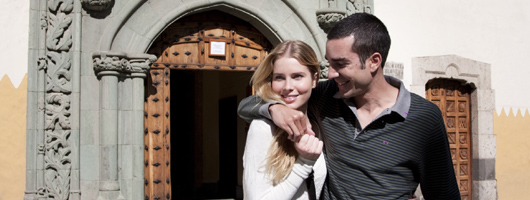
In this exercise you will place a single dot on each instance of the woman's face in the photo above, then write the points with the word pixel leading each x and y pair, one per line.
pixel 293 82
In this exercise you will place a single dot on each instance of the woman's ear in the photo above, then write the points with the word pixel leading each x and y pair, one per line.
pixel 315 79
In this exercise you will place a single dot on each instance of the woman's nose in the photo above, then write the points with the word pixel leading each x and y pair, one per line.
pixel 289 85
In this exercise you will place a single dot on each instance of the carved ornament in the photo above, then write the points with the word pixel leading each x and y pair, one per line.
pixel 326 20
pixel 121 62
pixel 96 5
pixel 324 67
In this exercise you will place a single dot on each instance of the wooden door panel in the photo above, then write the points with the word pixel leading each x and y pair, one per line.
pixel 157 137
pixel 217 30
pixel 453 99
pixel 247 56
pixel 184 53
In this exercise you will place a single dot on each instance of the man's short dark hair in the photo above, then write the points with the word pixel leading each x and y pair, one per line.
pixel 369 32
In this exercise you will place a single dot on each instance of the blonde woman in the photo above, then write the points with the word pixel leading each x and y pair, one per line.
pixel 276 168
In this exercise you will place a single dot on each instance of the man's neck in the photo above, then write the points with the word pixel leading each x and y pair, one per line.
pixel 379 96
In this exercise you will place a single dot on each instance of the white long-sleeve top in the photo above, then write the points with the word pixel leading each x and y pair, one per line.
pixel 257 184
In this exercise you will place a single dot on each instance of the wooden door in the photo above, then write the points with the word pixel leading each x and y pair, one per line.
pixel 453 99
pixel 206 41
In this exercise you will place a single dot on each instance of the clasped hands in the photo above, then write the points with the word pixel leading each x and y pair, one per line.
pixel 297 125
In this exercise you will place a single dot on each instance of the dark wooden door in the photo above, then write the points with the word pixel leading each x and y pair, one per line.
pixel 206 41
pixel 453 99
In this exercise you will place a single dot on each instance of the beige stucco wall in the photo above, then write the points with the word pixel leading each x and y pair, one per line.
pixel 13 142
pixel 513 157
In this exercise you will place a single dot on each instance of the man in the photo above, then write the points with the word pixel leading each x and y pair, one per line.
pixel 380 140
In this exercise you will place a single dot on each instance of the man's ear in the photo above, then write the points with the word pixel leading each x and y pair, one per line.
pixel 375 61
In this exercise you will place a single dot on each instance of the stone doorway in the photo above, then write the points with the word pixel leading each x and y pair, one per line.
pixel 481 100
pixel 193 137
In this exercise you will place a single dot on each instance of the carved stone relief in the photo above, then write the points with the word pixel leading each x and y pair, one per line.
pixel 394 69
pixel 96 5
pixel 122 63
pixel 358 6
pixel 330 14
pixel 328 20
pixel 324 69
pixel 57 65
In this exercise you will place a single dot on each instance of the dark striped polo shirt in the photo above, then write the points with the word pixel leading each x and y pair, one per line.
pixel 404 146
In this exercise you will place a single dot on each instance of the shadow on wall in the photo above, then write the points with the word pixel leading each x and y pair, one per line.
pixel 13 143
pixel 513 160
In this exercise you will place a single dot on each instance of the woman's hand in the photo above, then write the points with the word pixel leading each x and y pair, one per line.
pixel 309 147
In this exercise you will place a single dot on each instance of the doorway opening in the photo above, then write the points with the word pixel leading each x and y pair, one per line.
pixel 207 136
pixel 194 140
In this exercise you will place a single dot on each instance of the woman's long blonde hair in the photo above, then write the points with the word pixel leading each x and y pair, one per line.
pixel 282 153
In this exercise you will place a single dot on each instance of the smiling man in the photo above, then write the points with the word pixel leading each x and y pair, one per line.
pixel 381 141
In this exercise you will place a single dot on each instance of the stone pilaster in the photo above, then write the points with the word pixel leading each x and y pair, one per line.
pixel 112 70
pixel 53 139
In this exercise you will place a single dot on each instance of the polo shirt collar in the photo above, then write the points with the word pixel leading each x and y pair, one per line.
pixel 402 105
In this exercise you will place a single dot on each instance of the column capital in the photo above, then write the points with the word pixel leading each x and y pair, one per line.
pixel 115 63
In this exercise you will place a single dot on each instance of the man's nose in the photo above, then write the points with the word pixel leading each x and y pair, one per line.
pixel 332 73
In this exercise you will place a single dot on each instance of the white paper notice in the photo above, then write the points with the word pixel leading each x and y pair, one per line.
pixel 217 48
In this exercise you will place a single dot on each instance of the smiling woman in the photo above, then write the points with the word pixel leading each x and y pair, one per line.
pixel 287 75
pixel 293 82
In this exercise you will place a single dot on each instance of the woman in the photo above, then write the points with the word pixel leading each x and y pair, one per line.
pixel 275 167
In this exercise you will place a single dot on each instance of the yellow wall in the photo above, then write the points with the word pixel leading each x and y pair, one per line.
pixel 513 154
pixel 13 139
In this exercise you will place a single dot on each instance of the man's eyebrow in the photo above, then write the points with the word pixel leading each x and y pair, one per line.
pixel 337 59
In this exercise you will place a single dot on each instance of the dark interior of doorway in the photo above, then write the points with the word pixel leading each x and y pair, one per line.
pixel 187 139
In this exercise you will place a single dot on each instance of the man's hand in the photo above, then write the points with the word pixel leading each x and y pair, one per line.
pixel 309 147
pixel 294 122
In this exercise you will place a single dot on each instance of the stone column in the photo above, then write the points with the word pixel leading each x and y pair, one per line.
pixel 108 67
pixel 121 147
pixel 133 147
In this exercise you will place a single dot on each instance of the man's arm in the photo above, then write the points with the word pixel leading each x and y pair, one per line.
pixel 437 176
pixel 292 121
pixel 248 108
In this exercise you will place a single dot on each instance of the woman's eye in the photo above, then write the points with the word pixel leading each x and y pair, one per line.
pixel 298 76
pixel 278 78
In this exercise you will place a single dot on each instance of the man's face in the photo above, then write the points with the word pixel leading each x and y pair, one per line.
pixel 346 69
